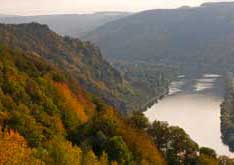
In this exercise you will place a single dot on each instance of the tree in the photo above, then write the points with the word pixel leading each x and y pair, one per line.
pixel 174 143
pixel 208 151
pixel 99 142
pixel 104 159
pixel 206 160
pixel 224 160
pixel 62 152
pixel 89 158
pixel 160 132
pixel 118 150
pixel 105 124
pixel 14 149
pixel 139 120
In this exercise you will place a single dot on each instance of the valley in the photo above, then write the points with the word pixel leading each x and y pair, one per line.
pixel 194 105
pixel 154 87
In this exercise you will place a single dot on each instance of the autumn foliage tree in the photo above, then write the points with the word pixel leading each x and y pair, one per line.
pixel 14 149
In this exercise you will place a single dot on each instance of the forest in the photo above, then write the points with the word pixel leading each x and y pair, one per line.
pixel 227 113
pixel 55 121
pixel 61 102
pixel 47 118
pixel 84 62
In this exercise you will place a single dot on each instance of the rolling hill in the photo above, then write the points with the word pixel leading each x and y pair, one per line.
pixel 46 117
pixel 48 114
pixel 77 25
pixel 85 63
pixel 43 109
pixel 196 38
pixel 81 59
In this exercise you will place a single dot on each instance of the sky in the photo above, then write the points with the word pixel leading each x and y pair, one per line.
pixel 42 7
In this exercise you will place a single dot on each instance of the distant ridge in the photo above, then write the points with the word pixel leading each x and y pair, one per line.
pixel 193 37
pixel 6 15
pixel 217 4
pixel 185 7
pixel 77 25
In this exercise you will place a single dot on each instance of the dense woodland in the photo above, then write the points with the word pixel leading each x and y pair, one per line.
pixel 47 118
pixel 227 113
pixel 56 122
pixel 80 59
pixel 62 103
pixel 150 80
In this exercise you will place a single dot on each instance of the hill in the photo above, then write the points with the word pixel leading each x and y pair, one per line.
pixel 77 25
pixel 196 38
pixel 42 110
pixel 80 59
pixel 85 63
pixel 48 117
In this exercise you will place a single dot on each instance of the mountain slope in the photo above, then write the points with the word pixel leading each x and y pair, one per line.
pixel 77 25
pixel 47 117
pixel 81 59
pixel 42 108
pixel 193 37
pixel 85 63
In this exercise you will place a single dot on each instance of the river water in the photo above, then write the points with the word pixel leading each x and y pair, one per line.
pixel 193 104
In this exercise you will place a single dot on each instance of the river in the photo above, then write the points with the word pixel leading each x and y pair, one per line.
pixel 193 104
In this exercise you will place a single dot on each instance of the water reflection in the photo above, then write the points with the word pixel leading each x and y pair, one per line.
pixel 206 82
pixel 194 105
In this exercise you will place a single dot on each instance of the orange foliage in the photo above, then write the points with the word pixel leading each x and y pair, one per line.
pixel 137 141
pixel 142 145
pixel 77 103
pixel 59 124
pixel 14 149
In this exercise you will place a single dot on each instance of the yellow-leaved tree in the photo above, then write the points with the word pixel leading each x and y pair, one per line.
pixel 14 149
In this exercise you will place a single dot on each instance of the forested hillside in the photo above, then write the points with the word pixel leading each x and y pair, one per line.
pixel 46 117
pixel 196 38
pixel 151 81
pixel 80 59
pixel 227 113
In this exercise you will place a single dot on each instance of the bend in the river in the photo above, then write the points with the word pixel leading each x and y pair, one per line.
pixel 194 105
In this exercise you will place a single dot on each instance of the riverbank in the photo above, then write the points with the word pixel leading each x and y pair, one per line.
pixel 195 107
pixel 154 100
pixel 227 116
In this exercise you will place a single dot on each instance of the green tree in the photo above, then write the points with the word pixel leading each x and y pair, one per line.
pixel 208 151
pixel 139 120
pixel 118 150
pixel 62 152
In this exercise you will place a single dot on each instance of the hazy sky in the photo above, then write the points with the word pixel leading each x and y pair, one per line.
pixel 39 7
